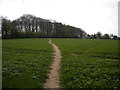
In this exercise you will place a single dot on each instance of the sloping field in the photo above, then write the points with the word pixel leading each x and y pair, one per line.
pixel 89 63
pixel 25 62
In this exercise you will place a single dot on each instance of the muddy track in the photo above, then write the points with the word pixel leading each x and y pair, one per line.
pixel 53 77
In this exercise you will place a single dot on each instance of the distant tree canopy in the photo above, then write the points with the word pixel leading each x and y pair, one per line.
pixel 8 29
pixel 29 26
pixel 99 35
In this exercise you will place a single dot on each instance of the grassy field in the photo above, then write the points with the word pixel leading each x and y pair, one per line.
pixel 86 63
pixel 89 63
pixel 25 62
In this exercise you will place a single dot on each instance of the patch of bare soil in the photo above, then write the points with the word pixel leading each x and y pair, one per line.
pixel 53 80
pixel 75 54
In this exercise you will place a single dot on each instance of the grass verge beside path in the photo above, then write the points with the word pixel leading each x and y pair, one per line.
pixel 25 62
pixel 89 63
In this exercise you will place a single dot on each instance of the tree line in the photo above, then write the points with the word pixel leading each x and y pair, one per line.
pixel 99 35
pixel 29 26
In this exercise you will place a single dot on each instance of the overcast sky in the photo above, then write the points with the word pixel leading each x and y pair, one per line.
pixel 90 15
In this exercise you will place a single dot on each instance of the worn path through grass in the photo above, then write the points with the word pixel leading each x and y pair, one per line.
pixel 53 80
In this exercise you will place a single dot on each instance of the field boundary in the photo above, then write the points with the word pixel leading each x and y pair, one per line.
pixel 53 76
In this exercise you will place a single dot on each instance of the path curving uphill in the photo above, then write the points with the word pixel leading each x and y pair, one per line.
pixel 53 78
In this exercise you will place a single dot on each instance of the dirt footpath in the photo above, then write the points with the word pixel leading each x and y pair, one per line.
pixel 53 80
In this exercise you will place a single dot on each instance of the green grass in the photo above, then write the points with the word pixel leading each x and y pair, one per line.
pixel 25 62
pixel 89 63
pixel 86 63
